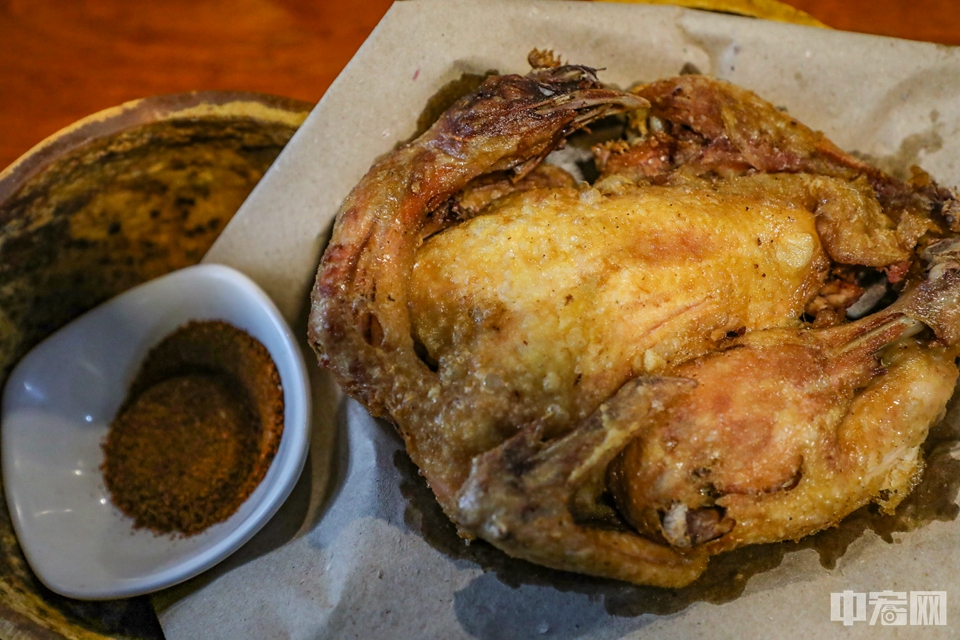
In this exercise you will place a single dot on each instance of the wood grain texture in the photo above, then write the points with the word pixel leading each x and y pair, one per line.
pixel 929 20
pixel 65 59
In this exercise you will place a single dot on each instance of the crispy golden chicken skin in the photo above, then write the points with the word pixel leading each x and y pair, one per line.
pixel 548 302
pixel 671 339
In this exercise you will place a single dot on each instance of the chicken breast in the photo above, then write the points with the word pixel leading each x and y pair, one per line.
pixel 553 298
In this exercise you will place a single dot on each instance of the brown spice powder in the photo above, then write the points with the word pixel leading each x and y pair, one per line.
pixel 198 430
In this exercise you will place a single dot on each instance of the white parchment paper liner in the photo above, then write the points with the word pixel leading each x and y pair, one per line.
pixel 356 551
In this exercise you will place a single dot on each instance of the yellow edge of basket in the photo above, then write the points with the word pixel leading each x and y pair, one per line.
pixel 766 9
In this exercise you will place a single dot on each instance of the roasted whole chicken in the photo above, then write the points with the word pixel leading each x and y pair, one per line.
pixel 625 376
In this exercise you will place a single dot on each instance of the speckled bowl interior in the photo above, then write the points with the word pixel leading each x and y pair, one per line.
pixel 115 200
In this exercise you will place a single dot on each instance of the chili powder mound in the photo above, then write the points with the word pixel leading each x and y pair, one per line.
pixel 198 430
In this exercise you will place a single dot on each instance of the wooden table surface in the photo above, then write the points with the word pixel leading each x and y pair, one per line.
pixel 61 60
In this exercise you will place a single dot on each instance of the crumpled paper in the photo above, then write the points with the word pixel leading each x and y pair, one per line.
pixel 361 549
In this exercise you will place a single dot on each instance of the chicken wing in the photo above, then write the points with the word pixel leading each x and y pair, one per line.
pixel 786 433
pixel 360 321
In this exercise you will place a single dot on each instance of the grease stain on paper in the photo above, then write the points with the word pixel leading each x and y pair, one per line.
pixel 728 573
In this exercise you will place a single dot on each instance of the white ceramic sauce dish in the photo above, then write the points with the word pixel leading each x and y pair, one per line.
pixel 57 408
